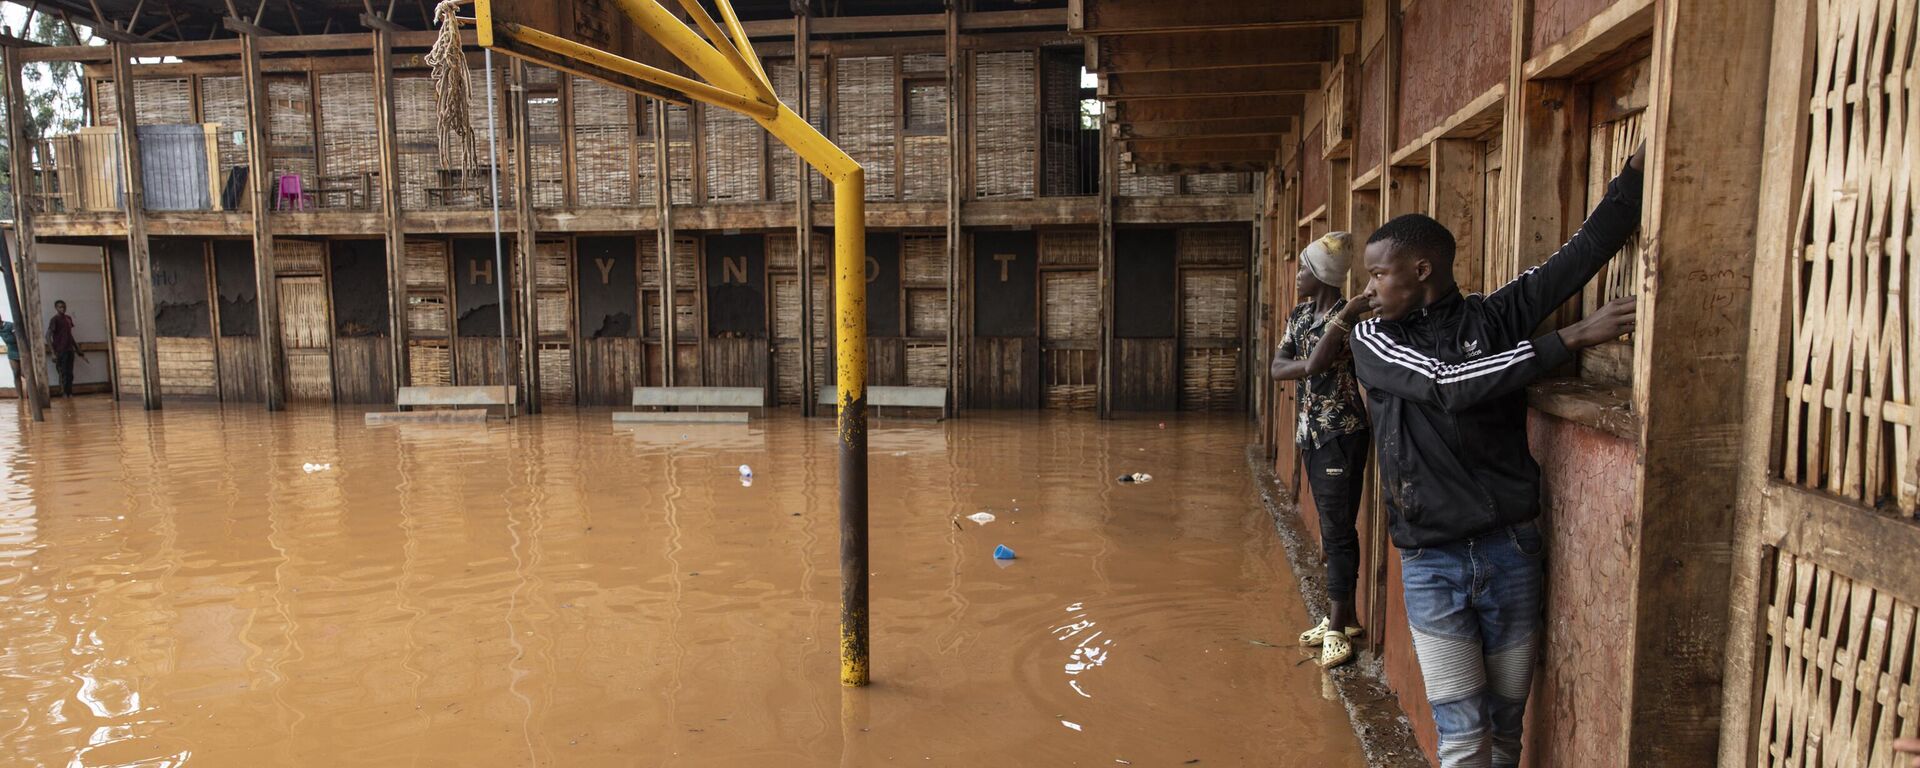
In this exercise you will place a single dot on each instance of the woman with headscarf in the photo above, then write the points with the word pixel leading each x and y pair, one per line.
pixel 1331 432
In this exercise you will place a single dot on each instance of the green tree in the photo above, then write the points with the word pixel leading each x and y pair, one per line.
pixel 53 93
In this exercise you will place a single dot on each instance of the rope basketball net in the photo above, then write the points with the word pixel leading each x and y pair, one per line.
pixel 452 91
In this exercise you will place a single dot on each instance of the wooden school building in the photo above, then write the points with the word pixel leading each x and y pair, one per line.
pixel 1731 490
pixel 996 204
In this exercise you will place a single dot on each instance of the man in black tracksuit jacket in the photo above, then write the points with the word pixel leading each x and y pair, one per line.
pixel 1446 380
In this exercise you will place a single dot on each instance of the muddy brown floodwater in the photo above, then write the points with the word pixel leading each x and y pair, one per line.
pixel 228 587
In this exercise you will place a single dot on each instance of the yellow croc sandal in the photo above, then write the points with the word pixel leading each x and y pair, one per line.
pixel 1336 649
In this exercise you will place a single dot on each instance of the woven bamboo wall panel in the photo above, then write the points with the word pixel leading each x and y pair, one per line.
pixel 926 365
pixel 924 259
pixel 735 156
pixel 1136 185
pixel 223 100
pixel 502 148
pixel 686 317
pixel 927 105
pixel 782 256
pixel 1072 305
pixel 1210 379
pixel 303 313
pixel 290 118
pixel 1063 249
pixel 786 308
pixel 187 367
pixel 430 364
pixel 163 101
pixel 349 142
pixel 298 257
pixel 680 154
pixel 104 99
pixel 427 316
pixel 551 265
pixel 1210 304
pixel 1072 379
pixel 556 374
pixel 927 312
pixel 787 389
pixel 546 148
pixel 1004 124
pixel 416 121
pixel 1610 144
pixel 309 376
pixel 1852 426
pixel 1219 184
pixel 1839 681
pixel 864 120
pixel 924 64
pixel 927 167
pixel 648 251
pixel 781 162
pixel 426 265
pixel 686 263
pixel 126 366
pixel 1227 247
pixel 822 308
pixel 602 145
pixel 817 111
pixel 551 313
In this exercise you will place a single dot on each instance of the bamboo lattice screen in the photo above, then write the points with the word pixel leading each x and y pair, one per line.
pixel 1851 423
pixel 864 121
pixel 602 145
pixel 1841 664
pixel 1004 143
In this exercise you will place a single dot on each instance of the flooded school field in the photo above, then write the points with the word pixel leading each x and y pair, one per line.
pixel 227 587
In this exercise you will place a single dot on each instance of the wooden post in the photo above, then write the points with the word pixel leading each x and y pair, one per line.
pixel 395 234
pixel 1456 196
pixel 663 202
pixel 1545 169
pixel 1703 179
pixel 803 220
pixel 525 246
pixel 1777 240
pixel 955 157
pixel 1109 154
pixel 260 166
pixel 133 202
pixel 24 288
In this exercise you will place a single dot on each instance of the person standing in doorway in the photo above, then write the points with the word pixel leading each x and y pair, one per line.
pixel 1331 433
pixel 62 346
pixel 1446 378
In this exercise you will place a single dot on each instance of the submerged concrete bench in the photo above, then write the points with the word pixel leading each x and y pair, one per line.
pixel 894 397
pixel 736 399
pixel 448 397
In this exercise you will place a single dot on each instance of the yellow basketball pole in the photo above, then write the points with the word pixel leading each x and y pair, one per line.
pixel 736 81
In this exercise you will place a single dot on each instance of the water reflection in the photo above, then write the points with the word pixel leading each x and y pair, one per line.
pixel 175 589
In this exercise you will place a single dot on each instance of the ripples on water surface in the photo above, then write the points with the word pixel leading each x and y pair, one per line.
pixel 178 589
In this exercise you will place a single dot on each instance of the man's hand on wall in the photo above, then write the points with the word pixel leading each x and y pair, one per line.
pixel 1605 324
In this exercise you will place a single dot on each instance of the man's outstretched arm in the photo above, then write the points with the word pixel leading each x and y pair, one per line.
pixel 1523 304
pixel 1387 365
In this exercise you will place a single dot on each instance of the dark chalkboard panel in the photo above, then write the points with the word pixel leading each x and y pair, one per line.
pixel 476 295
pixel 1144 285
pixel 180 307
pixel 883 284
pixel 737 286
pixel 122 289
pixel 359 288
pixel 609 295
pixel 1004 272
pixel 239 294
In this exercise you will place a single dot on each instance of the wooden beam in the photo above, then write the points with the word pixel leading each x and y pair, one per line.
pixel 1603 34
pixel 1202 129
pixel 394 236
pixel 266 286
pixel 526 243
pixel 803 214
pixel 1276 108
pixel 1176 164
pixel 25 271
pixel 1456 197
pixel 1777 235
pixel 134 203
pixel 1256 144
pixel 956 160
pixel 383 25
pixel 1702 200
pixel 1545 173
pixel 1295 79
pixel 1107 274
pixel 1145 17
pixel 663 201
pixel 1213 50
pixel 924 23
pixel 240 27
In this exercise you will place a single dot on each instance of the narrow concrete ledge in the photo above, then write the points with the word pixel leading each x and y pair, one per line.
pixel 457 416
pixel 1385 737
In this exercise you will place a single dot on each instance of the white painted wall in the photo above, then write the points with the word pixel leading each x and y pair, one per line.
pixel 86 297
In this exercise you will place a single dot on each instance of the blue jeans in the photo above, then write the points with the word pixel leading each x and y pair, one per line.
pixel 1474 606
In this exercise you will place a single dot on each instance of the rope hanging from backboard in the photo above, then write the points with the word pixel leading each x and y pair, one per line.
pixel 452 91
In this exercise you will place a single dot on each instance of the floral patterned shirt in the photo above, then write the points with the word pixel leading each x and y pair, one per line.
pixel 1330 404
